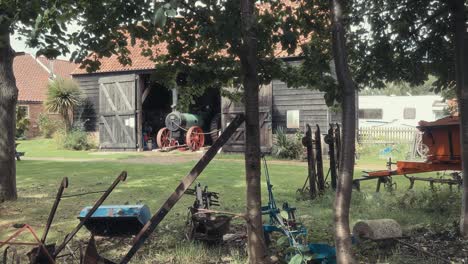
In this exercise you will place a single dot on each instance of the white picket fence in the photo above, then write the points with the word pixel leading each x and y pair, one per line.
pixel 386 135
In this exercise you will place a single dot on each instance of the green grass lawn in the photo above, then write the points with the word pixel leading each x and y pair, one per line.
pixel 151 184
pixel 47 148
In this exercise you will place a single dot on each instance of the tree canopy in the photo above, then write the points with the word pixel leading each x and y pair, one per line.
pixel 403 41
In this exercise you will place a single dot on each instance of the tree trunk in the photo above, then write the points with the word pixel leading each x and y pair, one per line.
pixel 8 98
pixel 461 61
pixel 248 58
pixel 346 170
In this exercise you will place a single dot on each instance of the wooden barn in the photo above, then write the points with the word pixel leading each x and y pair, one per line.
pixel 126 106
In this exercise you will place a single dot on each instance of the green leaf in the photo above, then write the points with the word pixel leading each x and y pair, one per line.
pixel 284 214
pixel 297 259
pixel 38 22
pixel 171 12
pixel 282 242
pixel 159 18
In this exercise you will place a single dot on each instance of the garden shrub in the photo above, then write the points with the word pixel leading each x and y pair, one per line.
pixel 48 126
pixel 22 122
pixel 287 147
pixel 76 139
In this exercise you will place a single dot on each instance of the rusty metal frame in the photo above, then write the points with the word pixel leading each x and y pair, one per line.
pixel 38 243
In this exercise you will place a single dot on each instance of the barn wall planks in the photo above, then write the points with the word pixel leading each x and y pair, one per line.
pixel 311 105
pixel 89 112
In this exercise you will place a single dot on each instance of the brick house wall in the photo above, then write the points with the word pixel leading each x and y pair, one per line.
pixel 34 111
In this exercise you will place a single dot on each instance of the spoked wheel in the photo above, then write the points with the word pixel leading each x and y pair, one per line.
pixel 195 139
pixel 164 138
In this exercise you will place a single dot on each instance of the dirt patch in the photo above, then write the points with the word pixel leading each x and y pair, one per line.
pixel 442 247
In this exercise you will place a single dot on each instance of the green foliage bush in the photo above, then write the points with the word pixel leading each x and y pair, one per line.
pixel 48 126
pixel 287 147
pixel 76 139
pixel 22 122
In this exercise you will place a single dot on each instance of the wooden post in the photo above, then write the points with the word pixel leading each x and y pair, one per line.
pixel 319 159
pixel 139 112
pixel 185 183
pixel 331 153
pixel 307 141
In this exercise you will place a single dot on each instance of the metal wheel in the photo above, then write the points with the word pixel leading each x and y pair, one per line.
pixel 163 138
pixel 421 149
pixel 195 139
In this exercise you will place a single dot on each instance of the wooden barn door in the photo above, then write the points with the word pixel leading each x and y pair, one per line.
pixel 231 109
pixel 117 112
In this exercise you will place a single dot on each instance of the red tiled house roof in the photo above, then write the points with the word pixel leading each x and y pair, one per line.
pixel 62 68
pixel 32 75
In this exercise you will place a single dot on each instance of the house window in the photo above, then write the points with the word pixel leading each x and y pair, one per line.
pixel 24 109
pixel 292 119
pixel 371 113
pixel 409 113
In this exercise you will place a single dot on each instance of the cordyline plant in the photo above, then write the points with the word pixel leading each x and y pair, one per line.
pixel 63 96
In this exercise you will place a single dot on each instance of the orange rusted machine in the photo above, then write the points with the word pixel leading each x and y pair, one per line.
pixel 440 144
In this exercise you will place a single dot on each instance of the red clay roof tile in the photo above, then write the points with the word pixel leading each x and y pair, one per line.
pixel 32 76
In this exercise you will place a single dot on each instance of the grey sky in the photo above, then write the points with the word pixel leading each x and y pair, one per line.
pixel 20 44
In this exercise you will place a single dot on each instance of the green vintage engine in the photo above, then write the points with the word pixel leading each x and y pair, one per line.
pixel 177 120
pixel 182 129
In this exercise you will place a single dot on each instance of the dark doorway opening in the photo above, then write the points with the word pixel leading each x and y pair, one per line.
pixel 156 105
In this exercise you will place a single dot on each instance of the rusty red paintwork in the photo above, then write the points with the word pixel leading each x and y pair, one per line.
pixel 442 137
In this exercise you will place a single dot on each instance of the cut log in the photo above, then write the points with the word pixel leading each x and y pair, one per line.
pixel 378 229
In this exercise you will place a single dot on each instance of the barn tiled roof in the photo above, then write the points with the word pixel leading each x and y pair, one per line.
pixel 32 76
pixel 141 62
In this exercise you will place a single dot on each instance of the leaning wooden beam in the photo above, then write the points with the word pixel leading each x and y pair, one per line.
pixel 180 190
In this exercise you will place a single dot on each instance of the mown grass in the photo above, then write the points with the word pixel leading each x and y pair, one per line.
pixel 151 184
pixel 47 148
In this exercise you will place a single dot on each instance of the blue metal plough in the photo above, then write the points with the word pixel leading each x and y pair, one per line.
pixel 284 221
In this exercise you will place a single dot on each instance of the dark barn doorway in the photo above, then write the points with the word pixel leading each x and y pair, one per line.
pixel 157 102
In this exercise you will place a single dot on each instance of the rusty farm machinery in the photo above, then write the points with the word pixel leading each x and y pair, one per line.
pixel 316 180
pixel 43 252
pixel 136 220
pixel 441 145
pixel 117 220
pixel 283 220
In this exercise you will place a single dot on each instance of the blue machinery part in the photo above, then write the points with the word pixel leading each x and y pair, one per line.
pixel 284 221
pixel 116 220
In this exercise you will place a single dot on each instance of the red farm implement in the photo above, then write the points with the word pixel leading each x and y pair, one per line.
pixel 441 145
